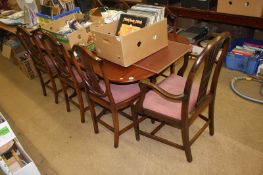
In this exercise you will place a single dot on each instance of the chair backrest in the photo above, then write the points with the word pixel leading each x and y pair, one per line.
pixel 84 61
pixel 28 41
pixel 59 55
pixel 210 60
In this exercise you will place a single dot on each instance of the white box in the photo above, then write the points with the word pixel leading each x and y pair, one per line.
pixel 6 133
pixel 8 136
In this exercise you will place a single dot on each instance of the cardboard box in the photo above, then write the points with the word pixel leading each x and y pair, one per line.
pixel 26 65
pixel 241 7
pixel 11 49
pixel 76 37
pixel 128 49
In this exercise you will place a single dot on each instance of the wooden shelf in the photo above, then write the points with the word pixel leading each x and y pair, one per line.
pixel 214 16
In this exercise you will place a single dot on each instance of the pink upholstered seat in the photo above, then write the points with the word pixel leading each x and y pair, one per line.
pixel 121 92
pixel 174 85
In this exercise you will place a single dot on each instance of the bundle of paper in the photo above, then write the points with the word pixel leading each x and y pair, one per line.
pixel 153 13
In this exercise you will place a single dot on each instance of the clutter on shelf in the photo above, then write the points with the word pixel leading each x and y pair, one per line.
pixel 70 30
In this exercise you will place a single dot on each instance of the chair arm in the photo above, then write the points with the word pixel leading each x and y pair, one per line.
pixel 147 84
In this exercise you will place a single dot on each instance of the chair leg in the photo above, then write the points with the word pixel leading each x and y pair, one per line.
pixel 135 117
pixel 211 118
pixel 81 106
pixel 64 89
pixel 93 116
pixel 186 144
pixel 42 82
pixel 54 88
pixel 115 121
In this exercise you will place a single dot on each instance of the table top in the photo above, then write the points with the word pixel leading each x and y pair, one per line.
pixel 147 67
pixel 9 28
pixel 162 59
pixel 12 29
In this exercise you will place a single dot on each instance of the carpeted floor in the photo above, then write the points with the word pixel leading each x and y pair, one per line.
pixel 60 144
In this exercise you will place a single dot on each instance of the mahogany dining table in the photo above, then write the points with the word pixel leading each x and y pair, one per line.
pixel 147 67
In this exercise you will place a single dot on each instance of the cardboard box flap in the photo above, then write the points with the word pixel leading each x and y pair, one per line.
pixel 55 25
pixel 78 37
pixel 109 29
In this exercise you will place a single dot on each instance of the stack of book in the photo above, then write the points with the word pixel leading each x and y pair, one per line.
pixel 139 16
pixel 248 50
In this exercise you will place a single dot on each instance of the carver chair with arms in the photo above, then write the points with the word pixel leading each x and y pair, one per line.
pixel 178 101
pixel 100 91
pixel 67 74
pixel 42 63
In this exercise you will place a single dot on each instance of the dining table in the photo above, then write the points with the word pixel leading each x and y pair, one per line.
pixel 150 66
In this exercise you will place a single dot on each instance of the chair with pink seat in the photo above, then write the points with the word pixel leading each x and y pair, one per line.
pixel 100 91
pixel 67 74
pixel 178 101
pixel 43 64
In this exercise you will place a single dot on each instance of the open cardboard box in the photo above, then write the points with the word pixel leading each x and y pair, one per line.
pixel 14 158
pixel 17 161
pixel 128 49
pixel 76 37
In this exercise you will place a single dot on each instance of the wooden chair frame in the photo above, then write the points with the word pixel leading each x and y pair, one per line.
pixel 62 60
pixel 206 97
pixel 31 42
pixel 95 95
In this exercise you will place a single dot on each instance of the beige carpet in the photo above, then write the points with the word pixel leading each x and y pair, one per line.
pixel 60 144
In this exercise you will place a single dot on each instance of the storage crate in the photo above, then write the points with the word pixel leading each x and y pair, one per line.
pixel 242 63
pixel 44 19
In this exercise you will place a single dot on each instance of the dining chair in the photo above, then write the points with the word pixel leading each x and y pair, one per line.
pixel 43 64
pixel 100 91
pixel 178 101
pixel 67 74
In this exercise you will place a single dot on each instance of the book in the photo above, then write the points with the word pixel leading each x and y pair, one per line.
pixel 130 23
pixel 159 10
pixel 152 16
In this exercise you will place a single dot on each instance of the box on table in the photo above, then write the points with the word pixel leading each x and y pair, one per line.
pixel 13 158
pixel 45 19
pixel 76 37
pixel 128 49
pixel 241 7
pixel 243 63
